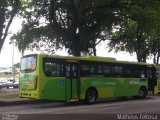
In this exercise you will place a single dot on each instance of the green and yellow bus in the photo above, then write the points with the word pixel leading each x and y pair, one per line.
pixel 88 78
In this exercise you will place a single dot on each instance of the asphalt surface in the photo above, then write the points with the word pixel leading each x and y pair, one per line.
pixel 103 109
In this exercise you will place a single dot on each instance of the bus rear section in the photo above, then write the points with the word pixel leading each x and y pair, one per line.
pixel 158 77
pixel 28 83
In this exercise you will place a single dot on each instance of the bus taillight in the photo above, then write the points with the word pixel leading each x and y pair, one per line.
pixel 36 83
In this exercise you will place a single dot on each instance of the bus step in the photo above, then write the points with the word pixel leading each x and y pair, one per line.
pixel 72 100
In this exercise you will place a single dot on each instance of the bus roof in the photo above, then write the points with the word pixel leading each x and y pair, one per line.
pixel 96 58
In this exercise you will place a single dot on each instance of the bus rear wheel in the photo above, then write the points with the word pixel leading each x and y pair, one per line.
pixel 91 96
pixel 142 93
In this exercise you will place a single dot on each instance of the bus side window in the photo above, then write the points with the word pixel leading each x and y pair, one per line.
pixel 135 72
pixel 67 70
pixel 85 69
pixel 151 73
pixel 107 69
pixel 99 69
pixel 53 67
pixel 118 71
pixel 47 69
pixel 142 75
pixel 92 69
pixel 74 70
pixel 48 72
pixel 128 72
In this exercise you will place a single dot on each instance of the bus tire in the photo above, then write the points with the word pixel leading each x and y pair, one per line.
pixel 91 96
pixel 142 92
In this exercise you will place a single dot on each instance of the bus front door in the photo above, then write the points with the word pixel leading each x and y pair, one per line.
pixel 152 80
pixel 72 81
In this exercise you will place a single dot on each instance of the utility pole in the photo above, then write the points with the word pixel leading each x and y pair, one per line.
pixel 13 62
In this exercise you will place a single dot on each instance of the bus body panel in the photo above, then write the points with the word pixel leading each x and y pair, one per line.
pixel 27 85
pixel 52 88
pixel 158 78
pixel 112 87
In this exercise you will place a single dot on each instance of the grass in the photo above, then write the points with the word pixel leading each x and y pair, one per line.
pixel 9 95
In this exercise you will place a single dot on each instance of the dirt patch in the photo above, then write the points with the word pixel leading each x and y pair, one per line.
pixel 9 94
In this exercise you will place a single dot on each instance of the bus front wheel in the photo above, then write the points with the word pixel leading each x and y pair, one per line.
pixel 91 96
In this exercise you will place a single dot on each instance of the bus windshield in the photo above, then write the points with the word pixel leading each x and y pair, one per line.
pixel 28 63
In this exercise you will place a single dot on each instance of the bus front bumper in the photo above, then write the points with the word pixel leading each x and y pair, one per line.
pixel 28 95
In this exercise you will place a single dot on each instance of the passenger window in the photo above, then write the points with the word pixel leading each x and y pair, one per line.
pixel 53 67
pixel 118 70
pixel 92 69
pixel 100 69
pixel 85 69
pixel 107 69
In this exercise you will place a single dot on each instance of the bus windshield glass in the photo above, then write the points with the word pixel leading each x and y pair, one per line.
pixel 28 63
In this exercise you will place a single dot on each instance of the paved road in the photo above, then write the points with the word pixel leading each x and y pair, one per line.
pixel 150 105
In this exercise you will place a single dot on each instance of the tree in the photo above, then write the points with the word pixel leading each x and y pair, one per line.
pixel 8 9
pixel 134 33
pixel 155 49
pixel 80 25
pixel 74 24
pixel 155 38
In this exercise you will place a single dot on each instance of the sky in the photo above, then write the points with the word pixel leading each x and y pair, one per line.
pixel 6 54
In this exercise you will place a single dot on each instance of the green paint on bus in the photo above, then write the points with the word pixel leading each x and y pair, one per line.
pixel 83 78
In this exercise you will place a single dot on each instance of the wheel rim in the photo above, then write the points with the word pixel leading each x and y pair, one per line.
pixel 91 96
pixel 142 93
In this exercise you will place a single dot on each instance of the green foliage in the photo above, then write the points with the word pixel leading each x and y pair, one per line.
pixel 136 29
pixel 8 9
pixel 132 26
pixel 74 24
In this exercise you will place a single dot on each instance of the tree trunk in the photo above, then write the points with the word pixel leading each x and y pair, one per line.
pixel 2 20
pixel 158 58
pixel 94 51
pixel 158 54
pixel 154 58
pixel 15 6
pixel 139 57
pixel 76 51
pixel 141 50
pixel 77 47
pixel 144 57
